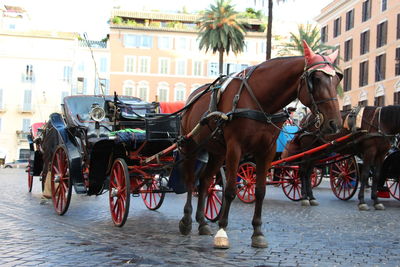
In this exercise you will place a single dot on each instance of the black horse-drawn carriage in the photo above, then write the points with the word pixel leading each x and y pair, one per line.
pixel 105 143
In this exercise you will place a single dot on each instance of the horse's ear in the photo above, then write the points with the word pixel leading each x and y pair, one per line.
pixel 308 53
pixel 334 55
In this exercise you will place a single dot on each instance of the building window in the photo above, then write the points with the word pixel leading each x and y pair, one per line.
pixel 363 103
pixel 163 65
pixel 103 64
pixel 324 34
pixel 383 5
pixel 337 60
pixel 143 91
pixel 182 43
pixel 129 88
pixel 144 64
pixel 29 73
pixel 162 92
pixel 197 68
pixel 180 67
pixel 363 73
pixel 263 45
pixel 346 107
pixel 230 68
pixel 337 24
pixel 397 62
pixel 380 67
pixel 213 69
pixel 396 98
pixel 381 34
pixel 180 91
pixel 0 124
pixel 350 20
pixel 81 86
pixel 130 62
pixel 138 41
pixel 348 50
pixel 67 74
pixel 165 42
pixel 379 101
pixel 366 10
pixel 27 100
pixel 364 43
pixel 26 124
pixel 347 79
pixel 398 27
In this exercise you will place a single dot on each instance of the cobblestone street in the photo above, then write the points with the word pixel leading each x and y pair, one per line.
pixel 333 234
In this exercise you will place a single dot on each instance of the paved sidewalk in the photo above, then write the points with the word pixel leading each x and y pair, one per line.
pixel 332 234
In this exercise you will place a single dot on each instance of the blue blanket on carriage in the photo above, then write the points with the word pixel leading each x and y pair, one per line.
pixel 130 137
pixel 285 136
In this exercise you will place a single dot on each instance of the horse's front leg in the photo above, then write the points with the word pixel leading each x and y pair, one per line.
pixel 233 155
pixel 363 179
pixel 185 224
pixel 310 195
pixel 257 239
pixel 206 176
pixel 374 188
pixel 302 175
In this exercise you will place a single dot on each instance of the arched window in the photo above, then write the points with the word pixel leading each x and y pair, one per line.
pixel 180 92
pixel 163 92
pixel 143 90
pixel 129 88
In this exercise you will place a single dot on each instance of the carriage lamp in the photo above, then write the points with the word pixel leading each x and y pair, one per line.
pixel 97 113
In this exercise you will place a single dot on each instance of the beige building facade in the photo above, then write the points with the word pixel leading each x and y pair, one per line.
pixel 156 56
pixel 367 33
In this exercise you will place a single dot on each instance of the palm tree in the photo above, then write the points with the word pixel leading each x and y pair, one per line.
pixel 269 27
pixel 311 35
pixel 220 31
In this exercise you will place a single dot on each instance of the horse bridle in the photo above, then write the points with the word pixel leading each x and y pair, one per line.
pixel 306 76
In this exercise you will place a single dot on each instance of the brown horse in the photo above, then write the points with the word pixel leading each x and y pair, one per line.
pixel 248 101
pixel 380 125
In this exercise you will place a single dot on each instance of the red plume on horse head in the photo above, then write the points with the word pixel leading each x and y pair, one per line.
pixel 312 58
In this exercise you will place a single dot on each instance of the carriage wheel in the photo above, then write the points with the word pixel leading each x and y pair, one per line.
pixel 214 199
pixel 29 170
pixel 152 196
pixel 61 183
pixel 246 180
pixel 316 177
pixel 119 192
pixel 394 188
pixel 344 178
pixel 291 185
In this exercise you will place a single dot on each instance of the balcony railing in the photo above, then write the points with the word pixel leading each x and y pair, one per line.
pixel 25 109
pixel 27 78
pixel 22 136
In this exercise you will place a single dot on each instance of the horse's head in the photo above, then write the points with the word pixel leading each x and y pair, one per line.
pixel 317 89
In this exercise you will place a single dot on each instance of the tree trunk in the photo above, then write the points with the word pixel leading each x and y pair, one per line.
pixel 269 30
pixel 221 60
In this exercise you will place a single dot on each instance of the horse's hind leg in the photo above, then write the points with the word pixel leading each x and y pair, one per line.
pixel 374 188
pixel 257 239
pixel 233 155
pixel 185 224
pixel 363 179
pixel 206 175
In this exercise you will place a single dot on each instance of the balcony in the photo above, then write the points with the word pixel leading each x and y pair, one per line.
pixel 26 109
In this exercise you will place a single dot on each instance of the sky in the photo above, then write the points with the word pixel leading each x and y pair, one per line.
pixel 91 16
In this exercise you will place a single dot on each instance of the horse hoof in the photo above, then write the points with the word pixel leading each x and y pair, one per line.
pixel 305 203
pixel 259 242
pixel 205 229
pixel 363 207
pixel 221 240
pixel 184 229
pixel 314 202
pixel 379 206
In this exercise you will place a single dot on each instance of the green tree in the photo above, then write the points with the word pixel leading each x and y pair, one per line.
pixel 311 35
pixel 269 27
pixel 220 31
